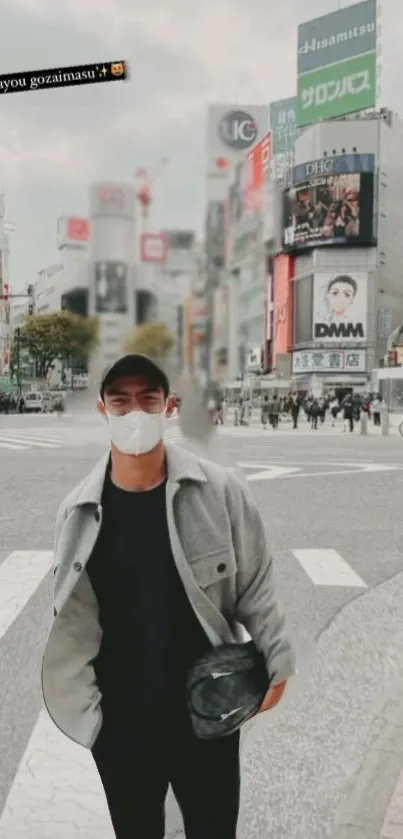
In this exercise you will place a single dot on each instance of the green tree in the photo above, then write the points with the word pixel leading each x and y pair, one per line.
pixel 58 335
pixel 154 339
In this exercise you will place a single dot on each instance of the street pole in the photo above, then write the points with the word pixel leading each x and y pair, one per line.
pixel 18 343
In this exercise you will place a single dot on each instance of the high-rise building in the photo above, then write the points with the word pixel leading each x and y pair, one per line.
pixel 338 292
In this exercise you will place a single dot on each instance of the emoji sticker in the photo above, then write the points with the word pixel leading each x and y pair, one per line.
pixel 118 69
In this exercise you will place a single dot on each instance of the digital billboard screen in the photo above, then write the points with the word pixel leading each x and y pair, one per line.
pixel 329 210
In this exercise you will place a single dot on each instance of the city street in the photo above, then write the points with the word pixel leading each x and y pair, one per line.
pixel 331 502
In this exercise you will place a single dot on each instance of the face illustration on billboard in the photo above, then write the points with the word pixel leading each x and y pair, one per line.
pixel 340 307
pixel 111 288
pixel 329 210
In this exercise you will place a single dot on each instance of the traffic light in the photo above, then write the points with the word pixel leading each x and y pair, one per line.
pixel 30 292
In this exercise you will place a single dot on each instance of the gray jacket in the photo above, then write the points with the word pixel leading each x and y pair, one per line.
pixel 219 547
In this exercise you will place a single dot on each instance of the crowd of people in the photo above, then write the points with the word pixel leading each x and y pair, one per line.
pixel 349 408
pixel 11 403
pixel 273 408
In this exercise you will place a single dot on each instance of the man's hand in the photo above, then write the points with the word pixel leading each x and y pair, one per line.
pixel 272 697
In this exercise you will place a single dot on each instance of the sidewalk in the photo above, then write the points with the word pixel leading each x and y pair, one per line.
pixel 374 810
pixel 393 824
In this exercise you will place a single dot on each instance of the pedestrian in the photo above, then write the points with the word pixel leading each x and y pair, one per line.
pixel 160 555
pixel 315 412
pixel 366 406
pixel 295 409
pixel 219 417
pixel 376 410
pixel 211 408
pixel 246 410
pixel 322 409
pixel 357 404
pixel 348 412
pixel 274 411
pixel 264 418
pixel 334 410
pixel 308 408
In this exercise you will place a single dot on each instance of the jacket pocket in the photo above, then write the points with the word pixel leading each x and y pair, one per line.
pixel 213 568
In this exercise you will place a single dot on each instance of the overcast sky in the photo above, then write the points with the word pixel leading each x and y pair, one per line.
pixel 183 55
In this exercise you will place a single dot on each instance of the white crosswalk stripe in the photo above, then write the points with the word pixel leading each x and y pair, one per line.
pixel 29 438
pixel 174 435
pixel 56 792
pixel 327 568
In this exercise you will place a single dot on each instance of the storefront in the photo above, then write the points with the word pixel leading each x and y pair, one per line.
pixel 334 370
pixel 388 382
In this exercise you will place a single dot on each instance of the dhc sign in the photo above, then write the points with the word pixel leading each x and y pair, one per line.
pixel 339 165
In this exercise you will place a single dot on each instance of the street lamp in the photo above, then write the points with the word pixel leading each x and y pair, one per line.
pixel 17 339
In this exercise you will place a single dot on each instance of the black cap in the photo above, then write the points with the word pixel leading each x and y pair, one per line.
pixel 134 364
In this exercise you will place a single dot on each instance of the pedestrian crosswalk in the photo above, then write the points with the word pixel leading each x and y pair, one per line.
pixel 21 439
pixel 56 792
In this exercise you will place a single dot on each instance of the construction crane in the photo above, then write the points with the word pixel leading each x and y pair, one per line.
pixel 145 180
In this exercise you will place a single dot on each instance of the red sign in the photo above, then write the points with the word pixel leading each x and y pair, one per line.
pixel 78 229
pixel 111 195
pixel 153 247
pixel 258 163
pixel 282 320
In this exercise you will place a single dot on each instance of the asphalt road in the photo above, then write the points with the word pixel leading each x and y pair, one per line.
pixel 331 503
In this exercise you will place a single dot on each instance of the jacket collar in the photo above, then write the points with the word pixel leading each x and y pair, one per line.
pixel 181 466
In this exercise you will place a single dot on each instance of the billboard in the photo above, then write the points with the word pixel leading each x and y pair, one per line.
pixel 337 90
pixel 153 247
pixel 257 171
pixel 180 250
pixel 73 232
pixel 336 63
pixel 284 132
pixel 111 291
pixel 329 210
pixel 340 164
pixel 340 308
pixel 232 130
pixel 243 217
pixel 329 361
pixel 269 307
pixel 114 200
pixel 220 333
pixel 282 310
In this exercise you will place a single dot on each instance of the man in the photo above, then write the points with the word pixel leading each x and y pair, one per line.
pixel 295 409
pixel 348 412
pixel 274 411
pixel 160 555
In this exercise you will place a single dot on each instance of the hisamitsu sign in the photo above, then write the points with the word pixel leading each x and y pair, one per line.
pixel 336 63
pixel 337 36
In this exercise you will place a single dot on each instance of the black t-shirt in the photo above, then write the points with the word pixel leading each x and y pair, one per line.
pixel 151 635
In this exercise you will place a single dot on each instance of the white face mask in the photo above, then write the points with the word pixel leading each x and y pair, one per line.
pixel 137 432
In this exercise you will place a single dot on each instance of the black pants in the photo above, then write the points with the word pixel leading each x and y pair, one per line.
pixel 350 421
pixel 294 419
pixel 136 770
pixel 377 418
pixel 314 421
